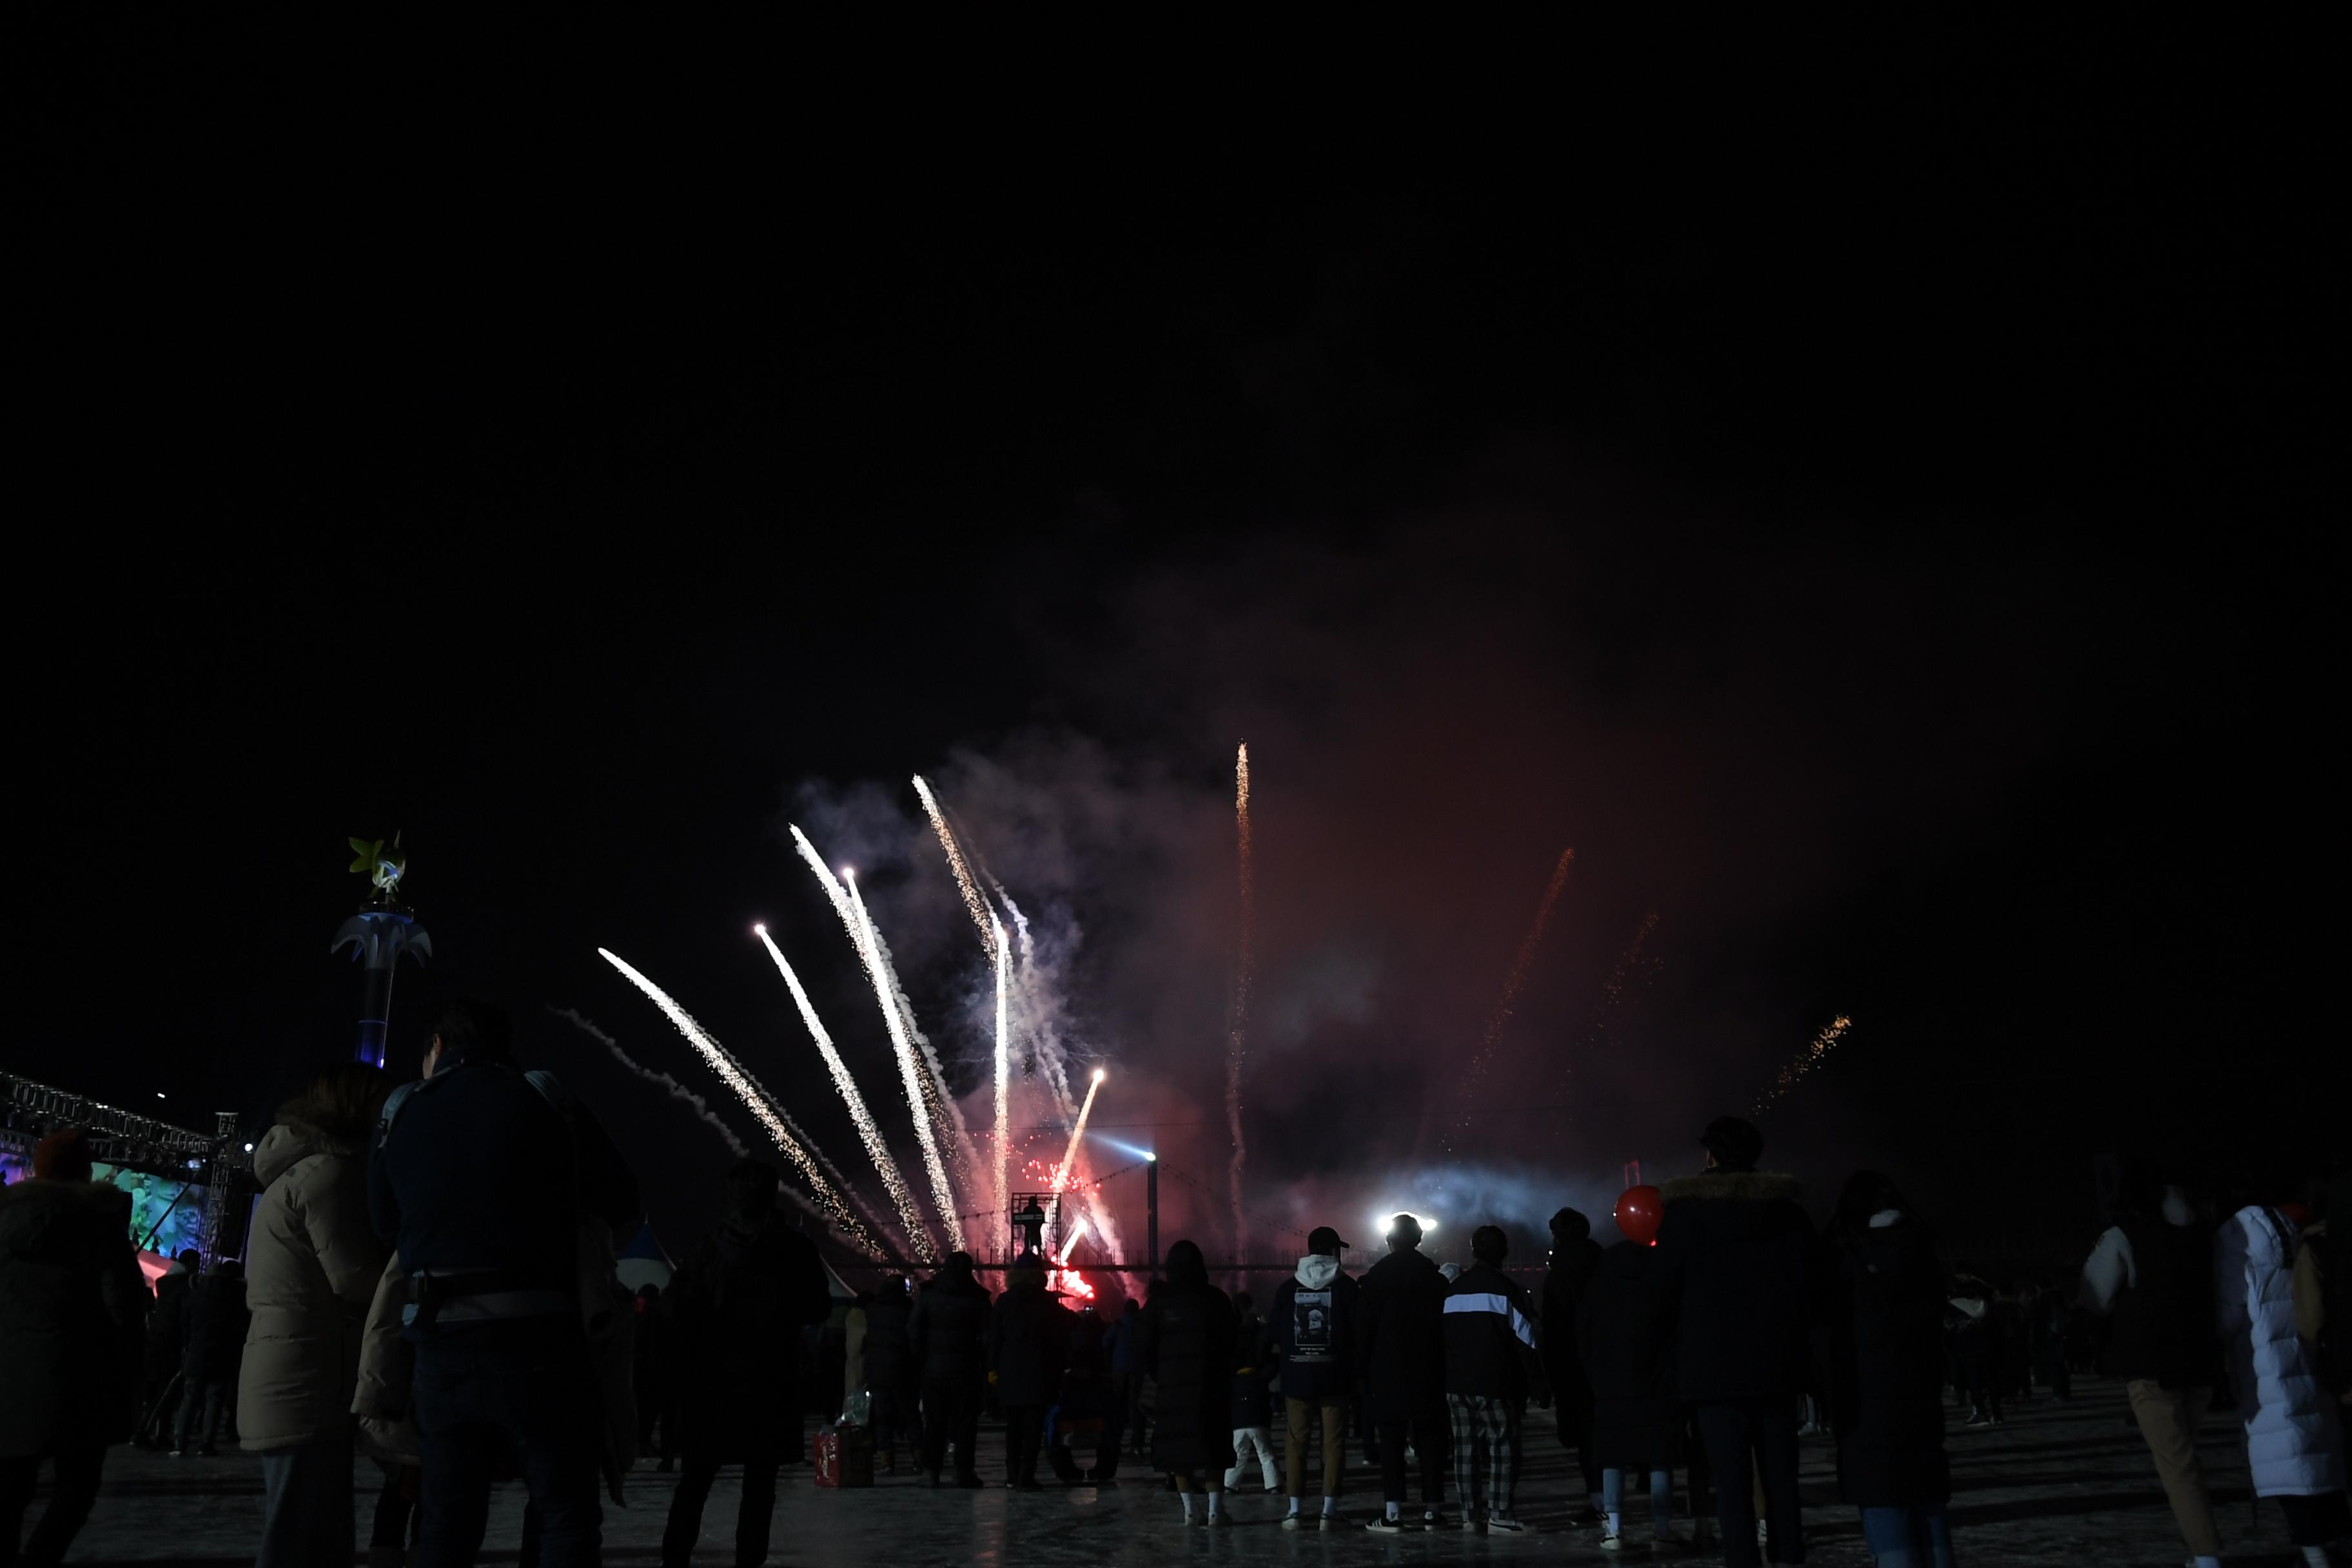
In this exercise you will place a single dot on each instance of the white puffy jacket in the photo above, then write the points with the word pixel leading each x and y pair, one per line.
pixel 2295 1444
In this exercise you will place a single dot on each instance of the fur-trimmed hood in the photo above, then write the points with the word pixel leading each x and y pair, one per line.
pixel 1734 1187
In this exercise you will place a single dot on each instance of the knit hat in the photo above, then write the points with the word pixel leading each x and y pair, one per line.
pixel 62 1156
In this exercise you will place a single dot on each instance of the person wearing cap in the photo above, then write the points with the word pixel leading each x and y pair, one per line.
pixel 1316 1319
pixel 76 1306
pixel 1733 1280
pixel 1401 1354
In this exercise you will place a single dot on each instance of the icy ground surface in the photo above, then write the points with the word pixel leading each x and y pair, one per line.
pixel 2056 1484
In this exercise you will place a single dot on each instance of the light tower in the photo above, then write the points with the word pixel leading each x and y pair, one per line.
pixel 379 934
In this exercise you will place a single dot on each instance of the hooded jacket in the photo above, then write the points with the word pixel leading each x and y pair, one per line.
pixel 72 1309
pixel 947 1330
pixel 1402 1350
pixel 1734 1278
pixel 2295 1439
pixel 311 1266
pixel 1316 1322
pixel 1492 1348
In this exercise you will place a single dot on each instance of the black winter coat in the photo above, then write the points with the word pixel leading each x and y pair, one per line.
pixel 1887 1368
pixel 1735 1279
pixel 1187 1335
pixel 889 1357
pixel 2166 1325
pixel 1637 1415
pixel 737 1312
pixel 167 1326
pixel 217 1322
pixel 947 1330
pixel 1564 1285
pixel 1028 1343
pixel 72 1309
pixel 1402 1348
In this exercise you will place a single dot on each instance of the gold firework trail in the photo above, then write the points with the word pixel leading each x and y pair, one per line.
pixel 1237 1042
pixel 991 936
pixel 1803 1062
pixel 1476 1075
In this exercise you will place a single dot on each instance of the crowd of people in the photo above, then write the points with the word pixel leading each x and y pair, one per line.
pixel 418 1290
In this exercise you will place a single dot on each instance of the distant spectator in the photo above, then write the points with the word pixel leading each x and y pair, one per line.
pixel 892 1413
pixel 947 1331
pixel 74 1307
pixel 1253 1415
pixel 1123 1343
pixel 167 1336
pixel 217 1323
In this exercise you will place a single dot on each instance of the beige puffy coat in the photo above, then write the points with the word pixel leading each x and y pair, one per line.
pixel 312 1267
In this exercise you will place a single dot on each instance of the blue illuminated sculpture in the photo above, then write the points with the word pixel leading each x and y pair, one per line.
pixel 379 934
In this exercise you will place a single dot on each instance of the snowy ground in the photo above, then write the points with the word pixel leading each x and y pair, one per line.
pixel 2057 1484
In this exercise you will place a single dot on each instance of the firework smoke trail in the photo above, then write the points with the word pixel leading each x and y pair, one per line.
pixel 676 1090
pixel 1003 1160
pixel 945 1114
pixel 991 936
pixel 1476 1075
pixel 918 1236
pixel 1803 1062
pixel 942 1190
pixel 1036 1011
pixel 1246 871
pixel 760 1103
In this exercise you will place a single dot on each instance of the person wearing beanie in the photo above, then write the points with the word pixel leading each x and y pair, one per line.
pixel 76 1306
pixel 1316 1322
pixel 1733 1280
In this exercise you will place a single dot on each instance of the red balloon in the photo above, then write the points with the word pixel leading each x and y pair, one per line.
pixel 1637 1214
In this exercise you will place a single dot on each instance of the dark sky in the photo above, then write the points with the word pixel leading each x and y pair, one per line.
pixel 1865 495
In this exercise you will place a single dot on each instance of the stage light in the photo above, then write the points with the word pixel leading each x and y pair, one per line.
pixel 248 1147
pixel 1151 1159
pixel 1381 1221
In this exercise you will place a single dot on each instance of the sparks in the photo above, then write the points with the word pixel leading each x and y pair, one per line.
pixel 1472 1079
pixel 1245 873
pixel 911 1076
pixel 1803 1062
pixel 756 1100
pixel 1004 1070
pixel 992 934
pixel 869 1133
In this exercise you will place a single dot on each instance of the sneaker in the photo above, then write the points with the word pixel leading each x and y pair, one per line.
pixel 1382 1525
pixel 1472 1526
pixel 1193 1521
pixel 1505 1523
pixel 1329 1521
pixel 1217 1521
pixel 1433 1519
pixel 1292 1521
pixel 1612 1541
pixel 1585 1515
pixel 1979 1418
pixel 178 1452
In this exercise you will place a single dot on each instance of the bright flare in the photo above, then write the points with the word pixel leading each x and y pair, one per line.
pixel 942 1190
pixel 756 1100
pixel 918 1236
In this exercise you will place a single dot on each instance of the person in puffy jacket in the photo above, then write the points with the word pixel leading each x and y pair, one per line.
pixel 1315 1322
pixel 948 1332
pixel 312 1263
pixel 2295 1443
pixel 1734 1278
pixel 1188 1336
pixel 72 1310
pixel 1494 1362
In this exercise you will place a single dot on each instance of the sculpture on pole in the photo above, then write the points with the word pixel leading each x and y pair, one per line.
pixel 382 930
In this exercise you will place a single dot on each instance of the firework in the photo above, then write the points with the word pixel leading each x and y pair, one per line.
pixel 992 935
pixel 761 1104
pixel 1246 874
pixel 1803 1062
pixel 898 1012
pixel 919 1237
pixel 1039 1008
pixel 676 1090
pixel 910 1075
pixel 1003 1072
pixel 1078 1130
pixel 1477 1074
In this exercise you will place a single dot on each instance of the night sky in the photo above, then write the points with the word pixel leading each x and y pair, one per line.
pixel 1865 498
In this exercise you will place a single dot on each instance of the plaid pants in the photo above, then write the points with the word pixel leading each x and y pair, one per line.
pixel 1484 1420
